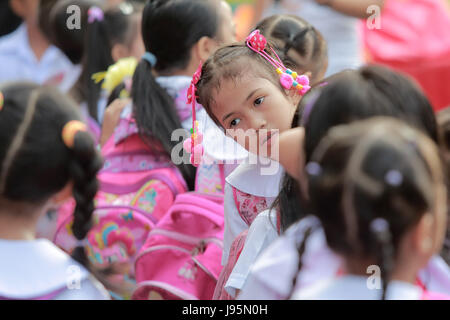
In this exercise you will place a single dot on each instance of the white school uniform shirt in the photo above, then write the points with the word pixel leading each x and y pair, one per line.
pixel 272 274
pixel 340 31
pixel 18 62
pixel 351 287
pixel 262 233
pixel 248 178
pixel 38 269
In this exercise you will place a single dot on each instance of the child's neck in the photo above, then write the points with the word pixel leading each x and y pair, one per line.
pixel 404 272
pixel 18 222
pixel 38 42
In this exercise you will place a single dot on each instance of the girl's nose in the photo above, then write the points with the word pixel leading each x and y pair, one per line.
pixel 258 122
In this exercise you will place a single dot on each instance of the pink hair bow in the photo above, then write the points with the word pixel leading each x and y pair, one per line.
pixel 95 14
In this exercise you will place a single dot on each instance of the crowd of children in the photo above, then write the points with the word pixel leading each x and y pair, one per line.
pixel 148 154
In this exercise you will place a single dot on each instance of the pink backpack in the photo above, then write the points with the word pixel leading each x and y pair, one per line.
pixel 136 190
pixel 181 257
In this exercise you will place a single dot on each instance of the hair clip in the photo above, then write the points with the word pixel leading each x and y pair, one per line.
pixel 70 130
pixel 95 14
pixel 379 225
pixel 313 169
pixel 126 8
pixel 150 58
pixel 2 100
pixel 82 243
pixel 393 178
pixel 193 145
pixel 289 79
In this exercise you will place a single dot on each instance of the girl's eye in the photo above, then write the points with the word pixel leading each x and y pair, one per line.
pixel 258 101
pixel 235 122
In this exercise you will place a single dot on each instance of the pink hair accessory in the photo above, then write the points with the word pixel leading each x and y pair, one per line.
pixel 289 79
pixel 95 14
pixel 193 145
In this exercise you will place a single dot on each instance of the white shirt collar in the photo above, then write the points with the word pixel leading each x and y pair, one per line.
pixel 255 180
pixel 30 269
pixel 351 287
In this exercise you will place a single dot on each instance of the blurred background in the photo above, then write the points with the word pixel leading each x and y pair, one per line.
pixel 413 36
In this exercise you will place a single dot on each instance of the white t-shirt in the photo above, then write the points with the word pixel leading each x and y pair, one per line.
pixel 272 274
pixel 18 62
pixel 262 232
pixel 38 269
pixel 352 287
pixel 248 178
pixel 339 30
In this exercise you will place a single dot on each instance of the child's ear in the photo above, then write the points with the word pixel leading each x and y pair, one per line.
pixel 63 195
pixel 205 47
pixel 422 235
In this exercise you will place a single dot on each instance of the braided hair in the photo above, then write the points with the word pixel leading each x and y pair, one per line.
pixel 35 163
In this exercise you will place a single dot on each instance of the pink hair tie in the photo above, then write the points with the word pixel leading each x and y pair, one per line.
pixel 193 145
pixel 289 79
pixel 95 14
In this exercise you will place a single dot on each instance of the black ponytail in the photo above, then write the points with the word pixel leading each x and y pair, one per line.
pixel 385 251
pixel 169 29
pixel 100 37
pixel 156 116
pixel 300 251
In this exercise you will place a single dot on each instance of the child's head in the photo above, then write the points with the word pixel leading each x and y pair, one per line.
pixel 377 187
pixel 177 35
pixel 241 90
pixel 300 46
pixel 69 40
pixel 46 155
pixel 111 34
pixel 367 92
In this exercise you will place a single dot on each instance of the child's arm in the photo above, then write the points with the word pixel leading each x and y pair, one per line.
pixel 355 8
pixel 111 118
pixel 291 154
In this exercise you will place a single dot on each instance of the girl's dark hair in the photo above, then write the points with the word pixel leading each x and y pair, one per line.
pixel 300 46
pixel 9 21
pixel 361 94
pixel 69 41
pixel 443 120
pixel 35 163
pixel 170 28
pixel 118 26
pixel 230 63
pixel 369 183
pixel 367 92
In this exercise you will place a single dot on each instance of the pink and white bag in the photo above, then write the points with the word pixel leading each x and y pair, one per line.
pixel 181 257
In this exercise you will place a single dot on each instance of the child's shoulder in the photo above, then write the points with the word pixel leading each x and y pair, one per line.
pixel 37 268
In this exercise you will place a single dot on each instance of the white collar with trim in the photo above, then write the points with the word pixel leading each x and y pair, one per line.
pixel 255 180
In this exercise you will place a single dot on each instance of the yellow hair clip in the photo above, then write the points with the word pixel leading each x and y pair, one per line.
pixel 116 73
pixel 69 131
pixel 2 100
